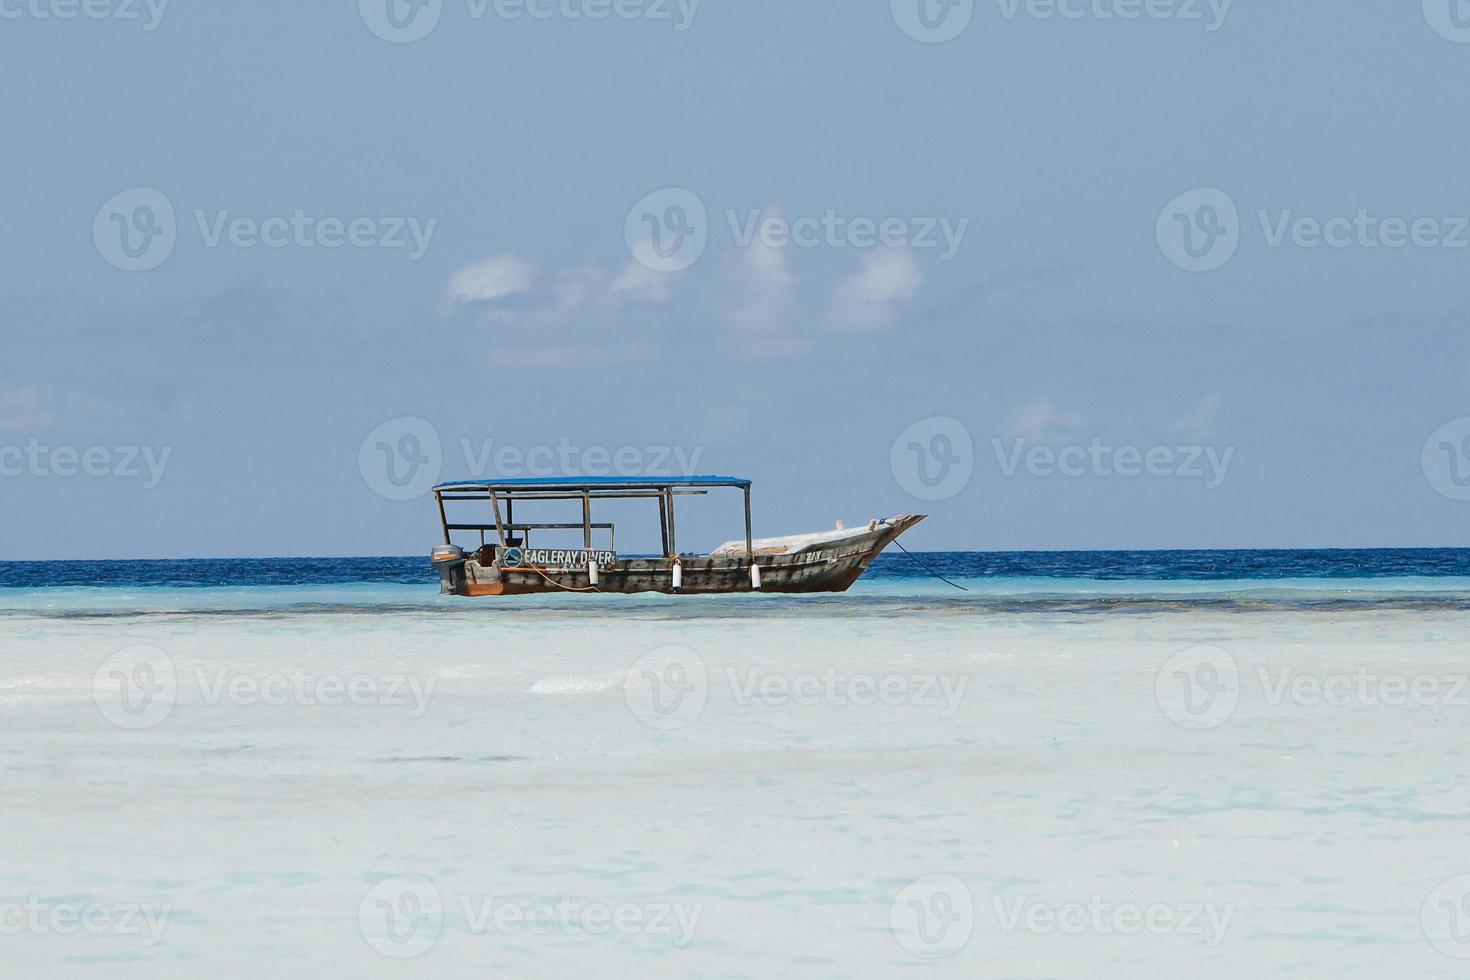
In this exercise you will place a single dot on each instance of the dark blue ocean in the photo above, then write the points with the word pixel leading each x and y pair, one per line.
pixel 1102 566
pixel 1097 581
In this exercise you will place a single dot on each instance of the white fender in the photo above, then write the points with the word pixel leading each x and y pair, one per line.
pixel 592 572
pixel 678 576
pixel 755 576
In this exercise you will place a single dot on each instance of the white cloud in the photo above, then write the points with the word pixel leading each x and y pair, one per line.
pixel 490 280
pixel 868 299
pixel 24 408
pixel 575 317
pixel 1200 421
pixel 1038 419
pixel 640 281
pixel 761 289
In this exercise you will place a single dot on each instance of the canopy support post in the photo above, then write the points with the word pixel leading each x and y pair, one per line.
pixel 749 551
pixel 499 524
pixel 586 520
pixel 663 524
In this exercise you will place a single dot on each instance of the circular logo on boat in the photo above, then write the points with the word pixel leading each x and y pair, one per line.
pixel 401 459
pixel 513 558
pixel 933 916
pixel 1446 459
pixel 1198 688
pixel 934 458
pixel 1446 917
pixel 136 688
pixel 401 917
pixel 667 688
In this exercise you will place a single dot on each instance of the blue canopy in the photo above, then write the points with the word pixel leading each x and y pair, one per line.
pixel 596 482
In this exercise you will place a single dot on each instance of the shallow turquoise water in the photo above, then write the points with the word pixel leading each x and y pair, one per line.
pixel 1050 775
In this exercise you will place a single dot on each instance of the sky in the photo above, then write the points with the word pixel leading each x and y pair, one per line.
pixel 1061 274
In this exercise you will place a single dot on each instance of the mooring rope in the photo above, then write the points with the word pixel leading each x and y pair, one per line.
pixel 569 588
pixel 927 568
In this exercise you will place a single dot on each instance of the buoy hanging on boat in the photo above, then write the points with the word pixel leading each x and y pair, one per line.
pixel 755 576
pixel 678 576
pixel 592 572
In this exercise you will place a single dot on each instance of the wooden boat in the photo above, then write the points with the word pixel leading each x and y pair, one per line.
pixel 506 561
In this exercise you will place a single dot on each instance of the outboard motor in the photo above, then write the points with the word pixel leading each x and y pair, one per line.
pixel 449 560
pixel 446 553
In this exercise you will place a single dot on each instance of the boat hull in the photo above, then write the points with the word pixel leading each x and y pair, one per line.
pixel 824 567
